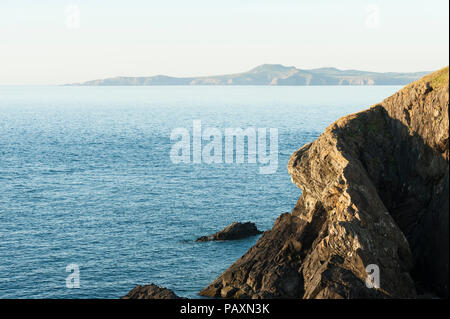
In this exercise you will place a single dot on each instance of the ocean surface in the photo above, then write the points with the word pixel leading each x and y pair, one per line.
pixel 86 178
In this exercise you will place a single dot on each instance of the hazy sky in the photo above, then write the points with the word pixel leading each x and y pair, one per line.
pixel 58 41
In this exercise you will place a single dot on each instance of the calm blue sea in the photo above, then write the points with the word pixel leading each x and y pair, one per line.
pixel 86 178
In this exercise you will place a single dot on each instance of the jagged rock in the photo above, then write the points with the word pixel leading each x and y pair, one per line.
pixel 374 192
pixel 233 232
pixel 151 291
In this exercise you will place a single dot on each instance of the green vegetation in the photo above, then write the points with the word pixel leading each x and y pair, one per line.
pixel 439 78
pixel 436 79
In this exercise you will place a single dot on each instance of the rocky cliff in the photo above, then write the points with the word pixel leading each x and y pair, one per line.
pixel 374 200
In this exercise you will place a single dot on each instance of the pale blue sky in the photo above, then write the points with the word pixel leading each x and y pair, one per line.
pixel 39 45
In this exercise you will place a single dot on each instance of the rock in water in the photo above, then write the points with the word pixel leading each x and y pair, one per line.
pixel 374 197
pixel 233 232
pixel 151 291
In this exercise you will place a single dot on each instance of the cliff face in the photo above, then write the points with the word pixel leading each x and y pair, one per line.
pixel 374 192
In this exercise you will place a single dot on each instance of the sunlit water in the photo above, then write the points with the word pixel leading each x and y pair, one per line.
pixel 86 178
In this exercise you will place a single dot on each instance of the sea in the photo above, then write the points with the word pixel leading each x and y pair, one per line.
pixel 92 203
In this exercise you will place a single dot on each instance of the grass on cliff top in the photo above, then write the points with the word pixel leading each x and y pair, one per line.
pixel 437 79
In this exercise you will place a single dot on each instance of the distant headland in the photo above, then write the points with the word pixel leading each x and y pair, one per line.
pixel 269 74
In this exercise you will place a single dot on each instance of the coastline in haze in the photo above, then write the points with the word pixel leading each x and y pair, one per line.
pixel 271 74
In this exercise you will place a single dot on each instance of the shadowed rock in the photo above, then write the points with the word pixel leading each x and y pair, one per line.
pixel 151 291
pixel 374 192
pixel 233 232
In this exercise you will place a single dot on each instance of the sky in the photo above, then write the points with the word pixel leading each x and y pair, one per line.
pixel 57 41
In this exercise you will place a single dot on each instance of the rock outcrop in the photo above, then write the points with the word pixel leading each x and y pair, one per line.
pixel 151 291
pixel 374 200
pixel 233 232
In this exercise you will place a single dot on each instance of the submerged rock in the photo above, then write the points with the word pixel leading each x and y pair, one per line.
pixel 233 232
pixel 374 201
pixel 151 291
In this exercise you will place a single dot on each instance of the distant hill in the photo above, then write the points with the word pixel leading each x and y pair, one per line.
pixel 272 74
